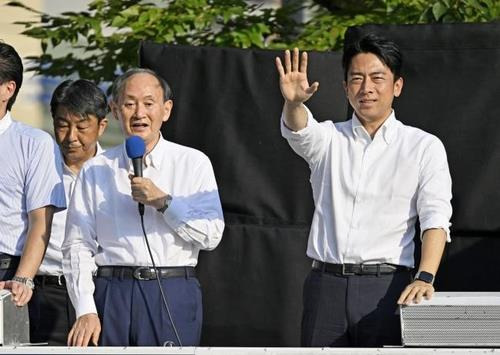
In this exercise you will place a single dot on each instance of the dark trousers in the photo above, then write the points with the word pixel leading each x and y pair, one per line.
pixel 51 313
pixel 7 274
pixel 353 310
pixel 132 311
pixel 8 266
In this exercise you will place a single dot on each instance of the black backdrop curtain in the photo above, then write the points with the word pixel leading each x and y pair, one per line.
pixel 227 104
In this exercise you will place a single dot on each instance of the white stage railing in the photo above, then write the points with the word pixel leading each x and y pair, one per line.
pixel 243 351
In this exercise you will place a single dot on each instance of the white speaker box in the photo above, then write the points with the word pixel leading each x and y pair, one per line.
pixel 453 319
pixel 14 321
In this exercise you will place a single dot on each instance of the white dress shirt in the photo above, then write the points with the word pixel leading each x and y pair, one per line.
pixel 104 221
pixel 30 178
pixel 52 262
pixel 368 192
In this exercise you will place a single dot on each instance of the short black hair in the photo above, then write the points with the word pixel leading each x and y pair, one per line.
pixel 119 83
pixel 80 97
pixel 387 51
pixel 11 68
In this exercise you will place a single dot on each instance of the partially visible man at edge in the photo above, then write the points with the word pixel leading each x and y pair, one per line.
pixel 78 111
pixel 31 187
pixel 182 216
pixel 371 176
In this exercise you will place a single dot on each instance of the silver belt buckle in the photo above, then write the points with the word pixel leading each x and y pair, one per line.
pixel 346 273
pixel 137 273
pixel 59 279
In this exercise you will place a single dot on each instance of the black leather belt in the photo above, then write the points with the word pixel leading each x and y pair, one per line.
pixel 144 272
pixel 42 280
pixel 9 261
pixel 358 269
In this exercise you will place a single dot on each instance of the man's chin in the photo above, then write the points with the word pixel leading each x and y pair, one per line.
pixel 72 158
pixel 140 131
pixel 71 154
pixel 369 115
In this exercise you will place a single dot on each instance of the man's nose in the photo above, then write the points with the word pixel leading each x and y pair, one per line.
pixel 72 134
pixel 367 85
pixel 140 110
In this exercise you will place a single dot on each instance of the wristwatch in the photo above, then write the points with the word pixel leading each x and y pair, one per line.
pixel 28 281
pixel 425 277
pixel 168 199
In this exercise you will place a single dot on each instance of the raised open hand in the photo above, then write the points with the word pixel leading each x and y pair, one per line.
pixel 293 78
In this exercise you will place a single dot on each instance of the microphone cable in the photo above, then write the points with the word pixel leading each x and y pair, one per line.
pixel 163 296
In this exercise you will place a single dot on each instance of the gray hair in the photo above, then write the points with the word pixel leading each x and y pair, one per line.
pixel 119 83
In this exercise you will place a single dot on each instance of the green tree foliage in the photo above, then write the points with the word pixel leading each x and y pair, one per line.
pixel 331 18
pixel 462 11
pixel 105 37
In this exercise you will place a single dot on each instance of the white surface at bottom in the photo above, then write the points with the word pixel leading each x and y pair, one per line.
pixel 241 350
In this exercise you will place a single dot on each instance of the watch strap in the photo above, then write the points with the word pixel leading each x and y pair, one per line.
pixel 28 281
pixel 168 199
pixel 425 277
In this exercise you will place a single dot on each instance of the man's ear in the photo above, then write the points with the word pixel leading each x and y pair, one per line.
pixel 8 89
pixel 398 87
pixel 11 87
pixel 114 109
pixel 102 126
pixel 167 106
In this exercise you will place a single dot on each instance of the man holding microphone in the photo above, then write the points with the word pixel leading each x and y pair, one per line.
pixel 182 216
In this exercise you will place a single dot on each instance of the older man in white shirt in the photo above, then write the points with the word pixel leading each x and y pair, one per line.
pixel 78 109
pixel 371 176
pixel 30 187
pixel 183 215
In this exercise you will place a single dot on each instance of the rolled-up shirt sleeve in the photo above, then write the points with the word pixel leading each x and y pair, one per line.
pixel 197 218
pixel 310 142
pixel 80 246
pixel 434 192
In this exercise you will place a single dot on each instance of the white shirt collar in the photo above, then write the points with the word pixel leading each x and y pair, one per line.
pixel 388 128
pixel 153 158
pixel 99 149
pixel 5 122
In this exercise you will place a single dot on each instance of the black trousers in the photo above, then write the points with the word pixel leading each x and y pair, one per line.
pixel 51 314
pixel 353 310
pixel 8 273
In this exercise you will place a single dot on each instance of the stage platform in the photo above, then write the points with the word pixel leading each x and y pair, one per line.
pixel 242 350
